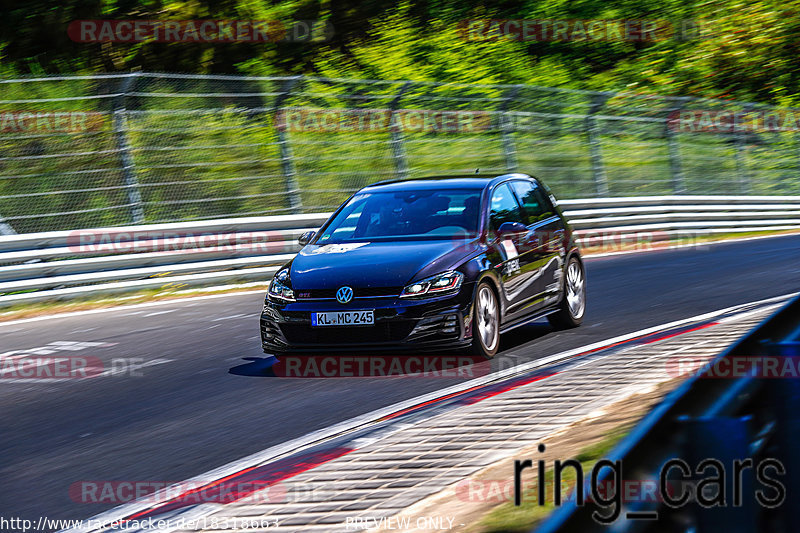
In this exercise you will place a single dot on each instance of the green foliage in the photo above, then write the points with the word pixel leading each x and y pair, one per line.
pixel 732 49
pixel 187 151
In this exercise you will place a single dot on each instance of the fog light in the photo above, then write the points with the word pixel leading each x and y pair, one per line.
pixel 449 325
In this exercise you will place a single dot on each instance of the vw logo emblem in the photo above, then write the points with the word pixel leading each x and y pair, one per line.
pixel 344 295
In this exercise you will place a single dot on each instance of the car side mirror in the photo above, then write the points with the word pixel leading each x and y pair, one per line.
pixel 511 229
pixel 304 239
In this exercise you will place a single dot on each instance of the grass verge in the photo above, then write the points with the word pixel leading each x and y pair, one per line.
pixel 32 310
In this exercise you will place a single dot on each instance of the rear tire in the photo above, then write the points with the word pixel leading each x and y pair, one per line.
pixel 573 302
pixel 485 322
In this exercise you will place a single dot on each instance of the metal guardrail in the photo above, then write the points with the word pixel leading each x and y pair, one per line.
pixel 73 264
pixel 753 413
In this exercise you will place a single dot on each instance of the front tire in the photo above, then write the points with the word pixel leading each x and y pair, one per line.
pixel 573 303
pixel 485 322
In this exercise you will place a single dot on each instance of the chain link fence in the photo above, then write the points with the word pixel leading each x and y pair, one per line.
pixel 118 149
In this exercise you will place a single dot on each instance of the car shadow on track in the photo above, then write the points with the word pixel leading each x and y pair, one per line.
pixel 443 363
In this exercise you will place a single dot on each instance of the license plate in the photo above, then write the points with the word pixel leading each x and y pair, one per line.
pixel 343 318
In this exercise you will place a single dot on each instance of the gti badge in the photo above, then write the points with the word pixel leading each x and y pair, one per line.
pixel 344 295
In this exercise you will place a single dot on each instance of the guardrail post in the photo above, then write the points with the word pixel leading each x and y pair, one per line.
pixel 120 126
pixel 723 440
pixel 739 156
pixel 595 149
pixel 287 159
pixel 674 152
pixel 506 129
pixel 396 137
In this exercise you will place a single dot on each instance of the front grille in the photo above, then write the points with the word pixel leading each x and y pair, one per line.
pixel 358 292
pixel 389 331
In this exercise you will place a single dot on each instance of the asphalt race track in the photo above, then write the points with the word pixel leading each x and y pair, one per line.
pixel 198 400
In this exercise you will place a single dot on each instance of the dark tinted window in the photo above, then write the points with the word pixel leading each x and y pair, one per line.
pixel 534 202
pixel 504 208
pixel 431 213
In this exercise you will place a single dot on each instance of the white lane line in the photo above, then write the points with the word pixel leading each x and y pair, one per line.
pixel 175 301
pixel 53 347
pixel 231 317
pixel 159 313
pixel 315 438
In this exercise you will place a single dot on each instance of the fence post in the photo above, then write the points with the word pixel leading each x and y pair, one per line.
pixel 395 137
pixel 506 129
pixel 673 150
pixel 797 146
pixel 120 120
pixel 595 149
pixel 741 148
pixel 287 159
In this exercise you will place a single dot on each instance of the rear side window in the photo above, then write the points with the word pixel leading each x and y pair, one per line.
pixel 534 202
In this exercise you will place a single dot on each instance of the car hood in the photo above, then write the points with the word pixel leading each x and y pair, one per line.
pixel 375 264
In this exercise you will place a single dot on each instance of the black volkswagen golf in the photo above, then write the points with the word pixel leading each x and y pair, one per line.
pixel 428 263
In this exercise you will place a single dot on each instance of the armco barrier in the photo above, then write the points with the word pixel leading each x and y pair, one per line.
pixel 73 264
pixel 743 405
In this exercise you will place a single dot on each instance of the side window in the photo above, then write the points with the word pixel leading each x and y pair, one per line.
pixel 536 206
pixel 503 208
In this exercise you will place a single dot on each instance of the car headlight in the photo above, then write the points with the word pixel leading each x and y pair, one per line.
pixel 444 283
pixel 279 287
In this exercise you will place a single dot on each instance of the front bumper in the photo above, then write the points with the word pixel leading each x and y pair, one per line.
pixel 400 323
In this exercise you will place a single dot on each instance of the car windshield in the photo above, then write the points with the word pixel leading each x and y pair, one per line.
pixel 404 215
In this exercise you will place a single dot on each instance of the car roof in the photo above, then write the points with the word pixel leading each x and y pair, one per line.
pixel 465 181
